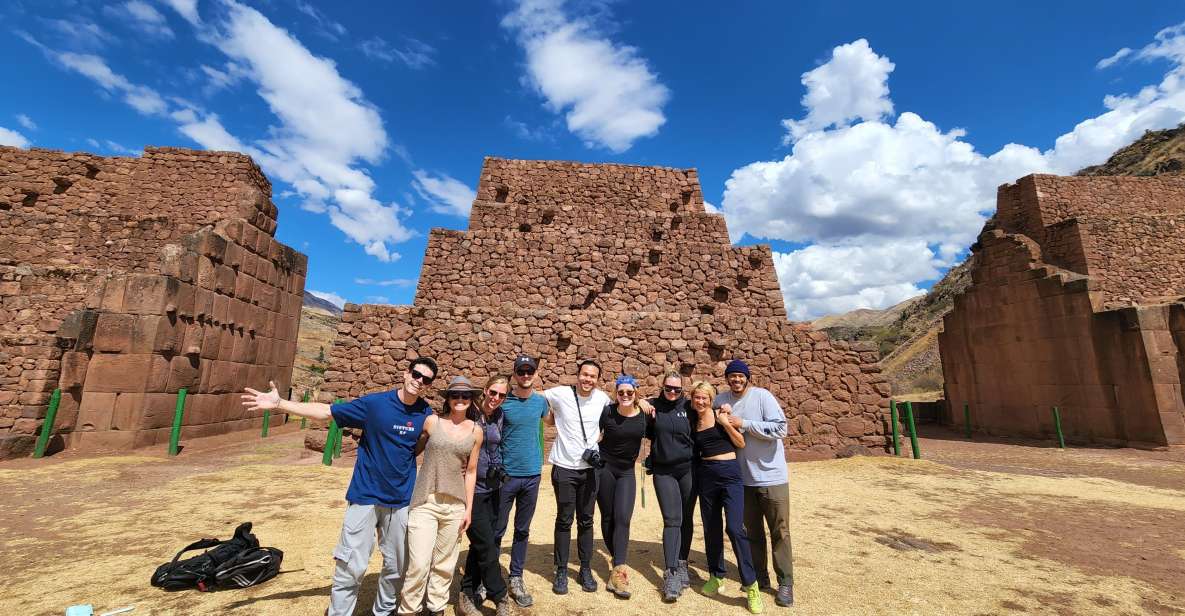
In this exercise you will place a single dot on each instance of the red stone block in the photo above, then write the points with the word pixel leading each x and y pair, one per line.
pixel 73 372
pixel 207 273
pixel 159 409
pixel 224 280
pixel 117 373
pixel 129 407
pixel 184 371
pixel 150 294
pixel 113 292
pixel 244 287
pixel 113 332
pixel 95 411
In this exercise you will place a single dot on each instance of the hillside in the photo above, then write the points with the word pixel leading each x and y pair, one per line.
pixel 1159 152
pixel 318 327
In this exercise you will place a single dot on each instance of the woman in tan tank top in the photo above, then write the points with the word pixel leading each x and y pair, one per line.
pixel 442 501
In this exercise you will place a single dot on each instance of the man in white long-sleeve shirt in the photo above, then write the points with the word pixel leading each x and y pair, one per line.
pixel 757 414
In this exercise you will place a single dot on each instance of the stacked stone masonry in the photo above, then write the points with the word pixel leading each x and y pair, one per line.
pixel 621 263
pixel 1076 302
pixel 123 280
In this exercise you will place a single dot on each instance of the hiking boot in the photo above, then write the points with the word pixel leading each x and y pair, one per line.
pixel 560 585
pixel 587 582
pixel 684 577
pixel 753 599
pixel 519 593
pixel 671 588
pixel 619 583
pixel 466 606
pixel 785 596
pixel 764 585
pixel 504 608
pixel 712 586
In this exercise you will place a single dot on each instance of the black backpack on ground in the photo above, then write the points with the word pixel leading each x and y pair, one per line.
pixel 238 562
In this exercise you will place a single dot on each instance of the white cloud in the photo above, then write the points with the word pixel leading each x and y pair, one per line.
pixel 414 53
pixel 120 148
pixel 327 27
pixel 26 121
pixel 13 138
pixel 852 85
pixel 94 143
pixel 79 33
pixel 217 79
pixel 394 282
pixel 522 131
pixel 142 16
pixel 1112 59
pixel 444 193
pixel 378 299
pixel 187 9
pixel 857 180
pixel 141 98
pixel 332 298
pixel 606 90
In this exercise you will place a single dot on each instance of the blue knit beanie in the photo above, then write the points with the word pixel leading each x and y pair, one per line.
pixel 737 365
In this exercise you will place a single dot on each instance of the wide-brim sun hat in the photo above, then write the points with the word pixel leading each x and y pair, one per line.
pixel 460 383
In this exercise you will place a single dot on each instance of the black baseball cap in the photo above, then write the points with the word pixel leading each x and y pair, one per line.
pixel 526 360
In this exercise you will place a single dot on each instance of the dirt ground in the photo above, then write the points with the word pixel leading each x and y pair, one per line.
pixel 973 528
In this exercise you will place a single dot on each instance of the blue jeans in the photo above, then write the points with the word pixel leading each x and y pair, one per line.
pixel 721 492
pixel 522 493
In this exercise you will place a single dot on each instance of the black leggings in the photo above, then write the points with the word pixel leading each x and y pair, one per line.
pixel 481 565
pixel 676 499
pixel 616 490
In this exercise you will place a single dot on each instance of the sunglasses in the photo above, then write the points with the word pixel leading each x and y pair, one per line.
pixel 460 395
pixel 525 371
pixel 416 375
pixel 672 390
pixel 625 392
pixel 495 394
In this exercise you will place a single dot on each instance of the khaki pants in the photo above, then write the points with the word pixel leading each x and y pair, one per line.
pixel 433 543
pixel 769 506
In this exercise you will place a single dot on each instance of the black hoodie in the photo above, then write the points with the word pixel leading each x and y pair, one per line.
pixel 670 435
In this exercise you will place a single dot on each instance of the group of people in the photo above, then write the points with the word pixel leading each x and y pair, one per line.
pixel 483 458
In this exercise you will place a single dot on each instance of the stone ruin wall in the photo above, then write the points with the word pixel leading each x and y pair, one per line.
pixel 1075 303
pixel 566 261
pixel 124 279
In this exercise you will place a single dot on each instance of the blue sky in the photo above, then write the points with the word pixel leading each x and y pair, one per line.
pixel 863 140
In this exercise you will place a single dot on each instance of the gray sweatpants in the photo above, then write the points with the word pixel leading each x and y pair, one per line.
pixel 353 555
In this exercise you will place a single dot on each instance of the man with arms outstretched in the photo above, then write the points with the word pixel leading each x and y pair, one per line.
pixel 381 487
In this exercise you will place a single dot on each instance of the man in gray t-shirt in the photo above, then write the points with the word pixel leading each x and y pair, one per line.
pixel 757 414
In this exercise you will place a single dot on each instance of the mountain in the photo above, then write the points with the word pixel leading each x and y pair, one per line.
pixel 1158 152
pixel 312 301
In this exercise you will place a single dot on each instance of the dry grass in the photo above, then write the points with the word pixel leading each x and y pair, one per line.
pixel 93 530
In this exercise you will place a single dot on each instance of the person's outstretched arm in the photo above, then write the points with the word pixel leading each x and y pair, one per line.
pixel 271 400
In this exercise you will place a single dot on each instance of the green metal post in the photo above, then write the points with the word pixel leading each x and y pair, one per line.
pixel 47 428
pixel 967 419
pixel 896 434
pixel 267 419
pixel 1057 425
pixel 304 421
pixel 327 453
pixel 541 428
pixel 913 430
pixel 175 434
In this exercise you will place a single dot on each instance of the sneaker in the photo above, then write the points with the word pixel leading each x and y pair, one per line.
pixel 560 585
pixel 712 586
pixel 785 596
pixel 671 588
pixel 519 593
pixel 504 607
pixel 753 599
pixel 466 606
pixel 764 585
pixel 684 577
pixel 619 583
pixel 480 593
pixel 587 582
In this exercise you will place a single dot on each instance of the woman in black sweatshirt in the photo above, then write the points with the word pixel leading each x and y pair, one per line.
pixel 669 430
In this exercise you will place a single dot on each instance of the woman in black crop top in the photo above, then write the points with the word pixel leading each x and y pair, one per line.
pixel 622 427
pixel 720 490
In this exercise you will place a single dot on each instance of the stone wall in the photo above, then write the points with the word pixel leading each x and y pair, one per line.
pixel 1082 313
pixel 121 322
pixel 567 261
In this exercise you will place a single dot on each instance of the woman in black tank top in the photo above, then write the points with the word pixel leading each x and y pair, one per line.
pixel 721 491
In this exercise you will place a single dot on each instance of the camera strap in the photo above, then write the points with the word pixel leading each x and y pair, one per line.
pixel 580 416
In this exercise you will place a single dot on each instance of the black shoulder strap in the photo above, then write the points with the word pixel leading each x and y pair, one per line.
pixel 580 416
pixel 200 544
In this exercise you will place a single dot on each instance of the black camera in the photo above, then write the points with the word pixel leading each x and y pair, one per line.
pixel 495 475
pixel 593 457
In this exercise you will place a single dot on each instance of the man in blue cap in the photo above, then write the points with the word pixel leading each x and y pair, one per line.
pixel 757 414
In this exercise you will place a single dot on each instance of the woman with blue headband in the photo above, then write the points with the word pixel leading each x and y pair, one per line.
pixel 622 427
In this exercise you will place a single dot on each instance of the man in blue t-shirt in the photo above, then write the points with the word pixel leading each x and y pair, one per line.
pixel 522 457
pixel 380 490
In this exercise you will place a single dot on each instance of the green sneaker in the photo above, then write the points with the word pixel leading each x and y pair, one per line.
pixel 712 586
pixel 753 598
